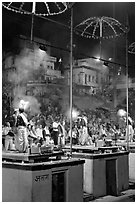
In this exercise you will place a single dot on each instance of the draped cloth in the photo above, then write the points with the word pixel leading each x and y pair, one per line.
pixel 84 138
pixel 21 138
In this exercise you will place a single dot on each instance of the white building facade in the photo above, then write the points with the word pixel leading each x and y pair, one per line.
pixel 34 58
pixel 88 73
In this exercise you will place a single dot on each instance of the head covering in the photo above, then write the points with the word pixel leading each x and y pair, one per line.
pixel 23 104
pixel 21 110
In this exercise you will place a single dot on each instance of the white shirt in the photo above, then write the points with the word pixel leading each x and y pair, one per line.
pixel 47 131
pixel 5 130
pixel 130 130
pixel 55 126
pixel 39 132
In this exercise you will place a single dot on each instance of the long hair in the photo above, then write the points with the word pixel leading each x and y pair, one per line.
pixel 21 110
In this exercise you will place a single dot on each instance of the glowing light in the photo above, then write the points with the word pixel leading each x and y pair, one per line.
pixel 121 113
pixel 98 59
pixel 23 104
pixel 75 114
pixel 60 60
pixel 41 51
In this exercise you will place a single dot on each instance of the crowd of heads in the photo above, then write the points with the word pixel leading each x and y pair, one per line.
pixel 96 124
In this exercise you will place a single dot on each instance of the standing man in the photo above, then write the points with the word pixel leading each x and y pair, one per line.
pixel 130 132
pixel 21 138
pixel 55 132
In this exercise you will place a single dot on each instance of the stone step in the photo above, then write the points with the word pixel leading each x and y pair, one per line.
pixel 87 197
pixel 132 185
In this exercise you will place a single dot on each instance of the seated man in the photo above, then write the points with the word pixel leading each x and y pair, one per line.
pixel 31 134
pixel 9 136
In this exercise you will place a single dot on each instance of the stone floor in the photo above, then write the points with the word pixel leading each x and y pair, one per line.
pixel 126 196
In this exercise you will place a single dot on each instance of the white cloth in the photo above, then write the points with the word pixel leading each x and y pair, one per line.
pixel 39 132
pixel 130 132
pixel 47 131
pixel 85 119
pixel 21 139
pixel 8 143
pixel 74 134
pixel 55 126
pixel 5 130
pixel 83 138
pixel 47 142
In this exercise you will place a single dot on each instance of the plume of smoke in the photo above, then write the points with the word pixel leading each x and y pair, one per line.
pixel 122 93
pixel 26 64
pixel 32 106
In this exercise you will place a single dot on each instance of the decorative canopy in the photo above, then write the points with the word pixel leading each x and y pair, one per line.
pixel 37 8
pixel 131 48
pixel 100 27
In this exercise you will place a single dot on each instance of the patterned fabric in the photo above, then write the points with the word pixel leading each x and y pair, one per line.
pixel 20 121
pixel 21 139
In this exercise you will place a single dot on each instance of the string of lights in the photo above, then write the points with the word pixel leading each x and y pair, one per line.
pixel 76 29
pixel 81 54
pixel 53 21
pixel 103 60
pixel 131 48
pixel 60 24
pixel 85 55
pixel 67 50
pixel 20 10
pixel 100 24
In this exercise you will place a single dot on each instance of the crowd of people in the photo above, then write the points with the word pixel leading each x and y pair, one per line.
pixel 52 127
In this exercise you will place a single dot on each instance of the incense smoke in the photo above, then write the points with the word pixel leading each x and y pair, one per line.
pixel 27 66
pixel 121 95
pixel 32 104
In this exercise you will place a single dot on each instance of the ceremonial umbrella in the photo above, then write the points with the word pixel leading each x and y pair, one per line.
pixel 36 8
pixel 105 28
pixel 100 28
pixel 131 48
pixel 51 8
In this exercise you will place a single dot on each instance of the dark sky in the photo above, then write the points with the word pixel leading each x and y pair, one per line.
pixel 15 24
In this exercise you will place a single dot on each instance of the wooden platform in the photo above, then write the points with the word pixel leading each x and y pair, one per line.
pixel 124 144
pixel 90 149
pixel 93 149
pixel 79 148
pixel 30 158
pixel 111 149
